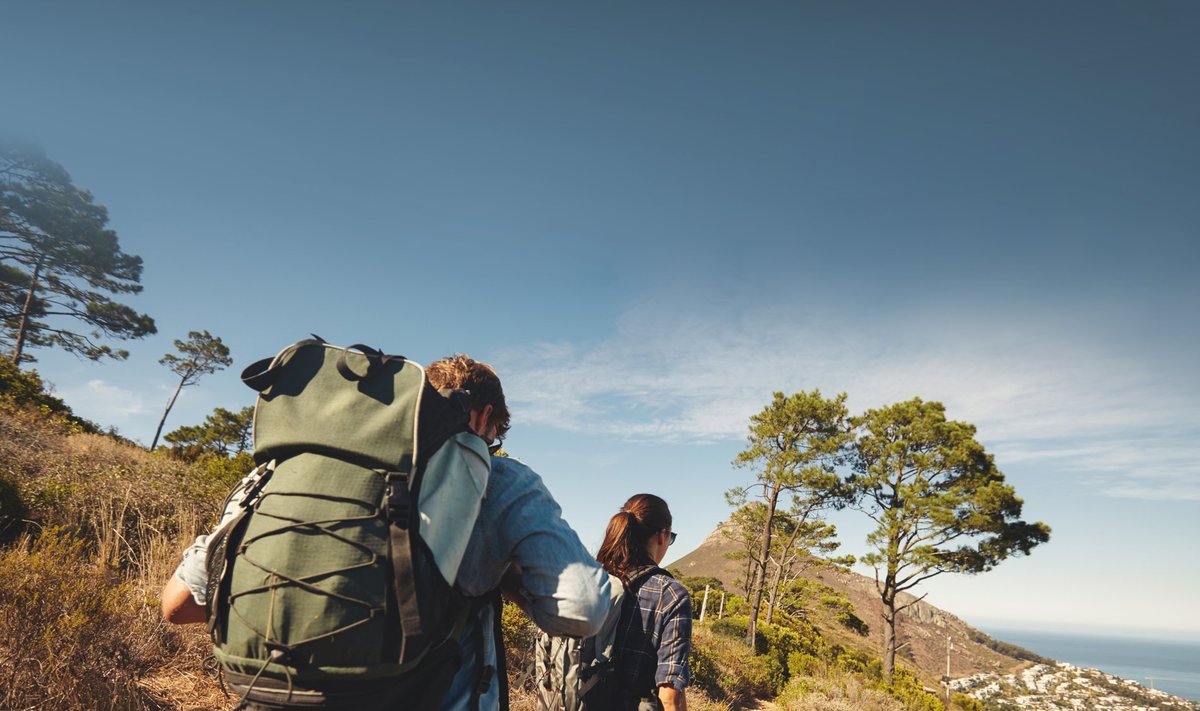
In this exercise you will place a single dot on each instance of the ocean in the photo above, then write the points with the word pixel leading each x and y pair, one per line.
pixel 1173 666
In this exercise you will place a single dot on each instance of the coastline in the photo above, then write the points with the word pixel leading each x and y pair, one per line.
pixel 1170 665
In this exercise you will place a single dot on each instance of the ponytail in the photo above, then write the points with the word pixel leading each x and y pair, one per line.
pixel 628 532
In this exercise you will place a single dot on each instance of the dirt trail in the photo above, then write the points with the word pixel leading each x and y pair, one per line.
pixel 763 705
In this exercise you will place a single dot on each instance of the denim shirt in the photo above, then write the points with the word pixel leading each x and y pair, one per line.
pixel 563 589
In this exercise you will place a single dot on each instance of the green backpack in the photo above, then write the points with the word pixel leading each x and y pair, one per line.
pixel 331 575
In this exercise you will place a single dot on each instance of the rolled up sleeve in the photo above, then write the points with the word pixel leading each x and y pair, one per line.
pixel 563 589
pixel 675 639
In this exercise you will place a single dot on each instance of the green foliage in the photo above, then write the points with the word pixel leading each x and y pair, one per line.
pixel 844 614
pixel 201 354
pixel 519 634
pixel 730 626
pixel 966 703
pixel 695 586
pixel 940 502
pixel 821 692
pixel 215 475
pixel 794 444
pixel 27 390
pixel 59 264
pixel 1010 650
pixel 907 688
pixel 728 671
pixel 224 433
pixel 916 471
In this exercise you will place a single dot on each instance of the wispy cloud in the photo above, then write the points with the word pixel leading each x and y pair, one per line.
pixel 99 396
pixel 679 372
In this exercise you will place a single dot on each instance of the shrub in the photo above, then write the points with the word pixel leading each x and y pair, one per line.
pixel 25 389
pixel 728 671
pixel 73 638
pixel 837 693
pixel 732 626
pixel 907 688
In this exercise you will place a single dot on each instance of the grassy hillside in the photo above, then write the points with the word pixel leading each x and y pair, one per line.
pixel 90 529
pixel 922 630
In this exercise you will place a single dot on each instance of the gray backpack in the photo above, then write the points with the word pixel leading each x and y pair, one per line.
pixel 581 674
pixel 331 577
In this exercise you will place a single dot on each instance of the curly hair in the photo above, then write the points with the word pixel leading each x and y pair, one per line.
pixel 463 372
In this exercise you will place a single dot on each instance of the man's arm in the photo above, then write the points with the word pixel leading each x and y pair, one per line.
pixel 672 699
pixel 183 595
pixel 561 586
pixel 178 605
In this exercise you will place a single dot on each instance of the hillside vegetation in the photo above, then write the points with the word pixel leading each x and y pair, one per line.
pixel 91 528
pixel 93 525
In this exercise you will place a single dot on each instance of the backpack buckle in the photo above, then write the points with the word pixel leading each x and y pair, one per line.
pixel 485 679
pixel 397 499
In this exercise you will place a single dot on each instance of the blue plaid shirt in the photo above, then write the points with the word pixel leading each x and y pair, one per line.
pixel 652 646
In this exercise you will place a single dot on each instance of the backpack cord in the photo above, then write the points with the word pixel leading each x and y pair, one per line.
pixel 275 655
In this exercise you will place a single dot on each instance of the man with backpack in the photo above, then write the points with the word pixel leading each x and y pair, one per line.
pixel 518 536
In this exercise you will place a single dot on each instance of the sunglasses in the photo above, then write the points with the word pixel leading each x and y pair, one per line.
pixel 671 542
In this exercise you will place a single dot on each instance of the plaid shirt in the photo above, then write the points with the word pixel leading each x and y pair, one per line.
pixel 652 646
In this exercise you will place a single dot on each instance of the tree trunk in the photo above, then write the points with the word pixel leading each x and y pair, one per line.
pixel 778 581
pixel 23 328
pixel 760 577
pixel 773 599
pixel 166 412
pixel 889 628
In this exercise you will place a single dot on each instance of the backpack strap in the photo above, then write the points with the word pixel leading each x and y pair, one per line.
pixel 629 606
pixel 487 672
pixel 262 374
pixel 637 576
pixel 498 643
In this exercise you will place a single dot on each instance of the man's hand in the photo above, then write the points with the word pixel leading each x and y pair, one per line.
pixel 178 605
pixel 510 586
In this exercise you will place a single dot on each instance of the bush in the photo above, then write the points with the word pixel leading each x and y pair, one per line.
pixel 25 389
pixel 844 615
pixel 72 636
pixel 838 693
pixel 728 671
pixel 907 688
pixel 734 627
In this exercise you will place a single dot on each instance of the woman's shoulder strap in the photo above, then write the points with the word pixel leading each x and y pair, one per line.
pixel 637 576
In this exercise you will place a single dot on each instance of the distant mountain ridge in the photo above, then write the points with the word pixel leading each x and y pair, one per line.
pixel 922 632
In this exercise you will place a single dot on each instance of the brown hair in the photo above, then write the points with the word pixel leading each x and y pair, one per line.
pixel 462 372
pixel 624 547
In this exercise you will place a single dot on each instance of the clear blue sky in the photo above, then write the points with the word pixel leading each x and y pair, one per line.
pixel 650 216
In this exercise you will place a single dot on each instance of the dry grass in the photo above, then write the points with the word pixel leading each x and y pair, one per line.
pixel 77 636
pixel 843 692
pixel 79 592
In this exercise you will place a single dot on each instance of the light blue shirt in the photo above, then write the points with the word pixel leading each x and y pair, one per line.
pixel 563 589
